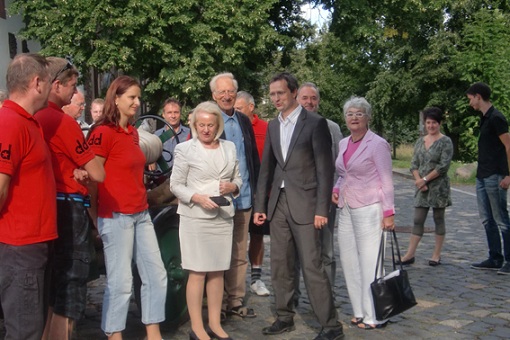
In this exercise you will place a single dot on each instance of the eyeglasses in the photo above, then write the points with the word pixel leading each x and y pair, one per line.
pixel 224 92
pixel 354 114
pixel 65 68
pixel 277 94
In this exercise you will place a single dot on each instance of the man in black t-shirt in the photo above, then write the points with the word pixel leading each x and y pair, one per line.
pixel 492 178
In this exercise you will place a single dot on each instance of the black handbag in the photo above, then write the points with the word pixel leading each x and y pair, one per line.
pixel 392 294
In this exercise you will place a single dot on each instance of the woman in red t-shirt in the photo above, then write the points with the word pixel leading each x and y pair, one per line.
pixel 123 221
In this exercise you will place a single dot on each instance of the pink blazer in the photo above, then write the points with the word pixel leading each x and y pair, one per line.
pixel 367 178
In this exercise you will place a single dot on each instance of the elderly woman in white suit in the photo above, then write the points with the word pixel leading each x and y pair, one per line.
pixel 205 178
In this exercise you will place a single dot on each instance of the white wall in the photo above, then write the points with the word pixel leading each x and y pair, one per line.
pixel 12 24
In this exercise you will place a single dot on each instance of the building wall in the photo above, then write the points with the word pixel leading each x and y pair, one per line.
pixel 11 24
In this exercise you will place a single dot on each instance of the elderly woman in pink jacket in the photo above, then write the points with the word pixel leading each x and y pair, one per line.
pixel 364 194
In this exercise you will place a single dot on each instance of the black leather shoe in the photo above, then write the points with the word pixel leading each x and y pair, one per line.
pixel 279 327
pixel 407 262
pixel 332 334
pixel 214 335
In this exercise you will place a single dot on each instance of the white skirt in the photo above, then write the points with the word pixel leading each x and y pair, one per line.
pixel 206 244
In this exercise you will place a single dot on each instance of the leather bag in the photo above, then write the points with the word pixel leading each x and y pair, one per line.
pixel 392 293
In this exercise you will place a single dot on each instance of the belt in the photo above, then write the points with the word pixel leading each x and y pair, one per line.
pixel 75 198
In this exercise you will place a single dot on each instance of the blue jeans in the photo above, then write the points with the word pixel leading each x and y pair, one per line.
pixel 492 207
pixel 128 237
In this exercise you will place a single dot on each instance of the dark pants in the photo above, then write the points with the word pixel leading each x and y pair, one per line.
pixel 22 289
pixel 327 253
pixel 70 261
pixel 287 237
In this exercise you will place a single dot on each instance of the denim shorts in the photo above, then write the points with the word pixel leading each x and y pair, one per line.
pixel 70 260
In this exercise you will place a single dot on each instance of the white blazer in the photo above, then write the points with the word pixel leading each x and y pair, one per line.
pixel 195 172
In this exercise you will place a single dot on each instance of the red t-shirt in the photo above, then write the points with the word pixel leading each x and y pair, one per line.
pixel 69 150
pixel 29 213
pixel 123 190
pixel 260 130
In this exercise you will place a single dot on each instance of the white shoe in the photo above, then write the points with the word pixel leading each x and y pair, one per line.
pixel 259 288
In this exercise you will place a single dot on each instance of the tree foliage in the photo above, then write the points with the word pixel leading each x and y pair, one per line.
pixel 174 47
pixel 404 55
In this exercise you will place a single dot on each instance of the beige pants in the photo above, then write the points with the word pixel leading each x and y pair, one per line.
pixel 235 277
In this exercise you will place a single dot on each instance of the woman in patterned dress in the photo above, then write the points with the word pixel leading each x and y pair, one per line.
pixel 429 166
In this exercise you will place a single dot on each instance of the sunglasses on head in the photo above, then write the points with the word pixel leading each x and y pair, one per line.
pixel 68 66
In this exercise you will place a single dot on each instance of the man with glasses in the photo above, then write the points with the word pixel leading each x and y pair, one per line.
pixel 74 165
pixel 238 130
pixel 27 199
pixel 297 175
pixel 76 107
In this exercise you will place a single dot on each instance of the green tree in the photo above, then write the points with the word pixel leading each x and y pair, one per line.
pixel 174 47
pixel 483 56
pixel 405 55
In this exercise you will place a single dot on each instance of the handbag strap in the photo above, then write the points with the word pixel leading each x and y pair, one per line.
pixel 380 256
pixel 398 251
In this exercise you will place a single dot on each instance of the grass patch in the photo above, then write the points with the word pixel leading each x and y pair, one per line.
pixel 403 161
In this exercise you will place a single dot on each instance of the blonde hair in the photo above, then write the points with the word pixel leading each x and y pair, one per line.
pixel 211 108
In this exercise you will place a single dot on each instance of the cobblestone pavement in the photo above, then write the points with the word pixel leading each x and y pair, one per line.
pixel 454 301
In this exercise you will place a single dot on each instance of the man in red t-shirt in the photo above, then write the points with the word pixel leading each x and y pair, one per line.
pixel 27 205
pixel 74 164
pixel 246 105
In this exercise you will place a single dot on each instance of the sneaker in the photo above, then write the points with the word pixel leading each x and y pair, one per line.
pixel 505 270
pixel 258 287
pixel 488 265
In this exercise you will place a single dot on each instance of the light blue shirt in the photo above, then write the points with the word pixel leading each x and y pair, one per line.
pixel 234 134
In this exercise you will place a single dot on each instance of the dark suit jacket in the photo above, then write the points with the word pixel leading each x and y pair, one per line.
pixel 307 171
pixel 250 149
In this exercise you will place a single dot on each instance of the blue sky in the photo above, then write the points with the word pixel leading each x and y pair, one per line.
pixel 315 15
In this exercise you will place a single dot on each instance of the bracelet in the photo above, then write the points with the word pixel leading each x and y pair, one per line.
pixel 424 179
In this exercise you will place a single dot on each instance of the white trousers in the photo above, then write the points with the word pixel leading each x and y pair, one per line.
pixel 359 236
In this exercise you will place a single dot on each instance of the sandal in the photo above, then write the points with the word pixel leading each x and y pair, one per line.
pixel 356 321
pixel 242 311
pixel 368 327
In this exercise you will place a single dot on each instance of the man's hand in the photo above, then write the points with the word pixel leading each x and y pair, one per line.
pixel 259 218
pixel 505 182
pixel 81 176
pixel 320 222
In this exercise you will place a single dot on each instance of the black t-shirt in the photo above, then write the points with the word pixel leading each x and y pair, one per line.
pixel 492 157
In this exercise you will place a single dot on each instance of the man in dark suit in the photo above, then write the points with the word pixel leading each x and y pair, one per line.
pixel 297 172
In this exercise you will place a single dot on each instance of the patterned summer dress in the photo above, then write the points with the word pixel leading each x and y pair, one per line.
pixel 438 156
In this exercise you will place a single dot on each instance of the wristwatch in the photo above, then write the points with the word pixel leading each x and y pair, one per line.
pixel 424 179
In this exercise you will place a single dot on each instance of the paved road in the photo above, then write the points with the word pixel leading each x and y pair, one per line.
pixel 454 301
